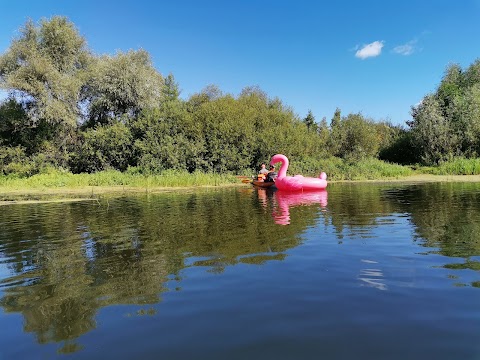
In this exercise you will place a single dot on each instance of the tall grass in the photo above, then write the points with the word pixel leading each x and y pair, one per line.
pixel 58 179
pixel 341 169
pixel 458 166
pixel 336 169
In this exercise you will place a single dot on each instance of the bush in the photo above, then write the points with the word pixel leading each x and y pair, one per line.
pixel 14 161
pixel 458 166
pixel 105 147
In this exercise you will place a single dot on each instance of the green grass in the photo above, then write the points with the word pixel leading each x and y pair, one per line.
pixel 58 179
pixel 341 169
pixel 458 166
pixel 337 169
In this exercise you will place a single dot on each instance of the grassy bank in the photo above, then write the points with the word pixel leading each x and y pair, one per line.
pixel 339 169
pixel 113 178
pixel 66 184
pixel 459 166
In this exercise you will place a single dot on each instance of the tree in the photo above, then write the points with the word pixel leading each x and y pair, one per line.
pixel 16 129
pixel 337 118
pixel 466 120
pixel 44 68
pixel 450 87
pixel 336 135
pixel 122 85
pixel 102 148
pixel 168 138
pixel 310 121
pixel 170 88
pixel 228 134
pixel 432 133
pixel 13 121
pixel 359 137
pixel 323 132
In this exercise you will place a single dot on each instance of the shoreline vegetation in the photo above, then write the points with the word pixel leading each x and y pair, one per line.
pixel 58 186
pixel 76 122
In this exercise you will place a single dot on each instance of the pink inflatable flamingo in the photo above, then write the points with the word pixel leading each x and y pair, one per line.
pixel 297 182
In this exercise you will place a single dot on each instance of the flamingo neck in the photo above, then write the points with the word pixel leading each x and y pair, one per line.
pixel 282 172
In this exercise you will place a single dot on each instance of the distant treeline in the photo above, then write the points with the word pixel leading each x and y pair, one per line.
pixel 70 109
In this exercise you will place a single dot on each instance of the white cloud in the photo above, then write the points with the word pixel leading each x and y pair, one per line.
pixel 370 50
pixel 406 49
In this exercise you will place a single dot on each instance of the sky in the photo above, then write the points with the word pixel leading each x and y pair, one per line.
pixel 377 58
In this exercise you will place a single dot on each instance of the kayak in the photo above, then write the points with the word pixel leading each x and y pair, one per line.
pixel 264 184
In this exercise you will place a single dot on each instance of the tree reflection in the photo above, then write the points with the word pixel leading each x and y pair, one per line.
pixel 447 220
pixel 69 260
pixel 357 208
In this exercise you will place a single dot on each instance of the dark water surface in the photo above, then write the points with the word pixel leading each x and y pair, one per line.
pixel 362 271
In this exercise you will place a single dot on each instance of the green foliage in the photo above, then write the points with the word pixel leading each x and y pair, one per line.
pixel 71 109
pixel 465 120
pixel 342 169
pixel 104 147
pixel 447 123
pixel 12 160
pixel 170 88
pixel 336 134
pixel 121 85
pixel 323 132
pixel 355 137
pixel 310 121
pixel 360 138
pixel 371 169
pixel 458 166
pixel 15 162
pixel 337 118
pixel 229 137
pixel 432 132
pixel 16 129
pixel 399 149
pixel 132 178
pixel 45 66
pixel 168 138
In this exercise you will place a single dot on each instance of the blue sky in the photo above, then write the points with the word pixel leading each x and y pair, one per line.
pixel 374 57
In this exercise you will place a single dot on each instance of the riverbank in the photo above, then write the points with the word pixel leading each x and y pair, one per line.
pixel 86 193
pixel 418 178
pixel 17 195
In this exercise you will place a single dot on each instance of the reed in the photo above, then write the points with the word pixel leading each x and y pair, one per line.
pixel 458 166
pixel 341 169
pixel 59 179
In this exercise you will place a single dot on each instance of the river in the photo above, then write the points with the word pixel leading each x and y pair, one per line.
pixel 360 271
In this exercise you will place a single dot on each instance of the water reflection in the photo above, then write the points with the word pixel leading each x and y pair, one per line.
pixel 286 200
pixel 372 277
pixel 446 219
pixel 280 203
pixel 67 261
pixel 61 263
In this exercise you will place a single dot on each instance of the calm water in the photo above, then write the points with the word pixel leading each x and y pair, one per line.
pixel 358 272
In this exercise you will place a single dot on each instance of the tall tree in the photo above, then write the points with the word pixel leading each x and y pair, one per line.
pixel 122 85
pixel 337 118
pixel 170 88
pixel 310 121
pixel 432 132
pixel 336 134
pixel 323 132
pixel 45 68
